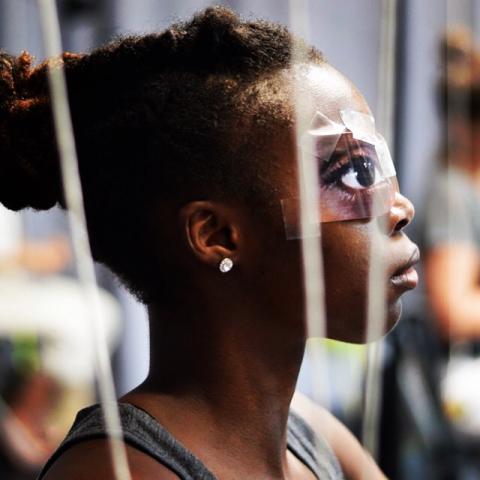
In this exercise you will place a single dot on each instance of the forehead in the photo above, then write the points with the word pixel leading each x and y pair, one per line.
pixel 322 88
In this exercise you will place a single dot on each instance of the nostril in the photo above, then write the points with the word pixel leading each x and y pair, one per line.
pixel 401 224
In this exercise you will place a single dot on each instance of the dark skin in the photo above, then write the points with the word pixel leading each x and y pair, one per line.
pixel 224 364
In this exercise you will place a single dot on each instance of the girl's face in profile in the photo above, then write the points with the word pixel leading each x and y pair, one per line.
pixel 347 244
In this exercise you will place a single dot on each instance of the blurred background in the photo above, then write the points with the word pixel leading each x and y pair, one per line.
pixel 429 416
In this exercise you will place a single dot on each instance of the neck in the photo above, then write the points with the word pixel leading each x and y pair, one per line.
pixel 214 373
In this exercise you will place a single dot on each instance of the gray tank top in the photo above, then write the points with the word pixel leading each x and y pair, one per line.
pixel 144 433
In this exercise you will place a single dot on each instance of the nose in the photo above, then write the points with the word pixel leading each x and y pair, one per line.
pixel 401 214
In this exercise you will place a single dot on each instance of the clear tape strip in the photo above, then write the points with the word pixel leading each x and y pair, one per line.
pixel 77 221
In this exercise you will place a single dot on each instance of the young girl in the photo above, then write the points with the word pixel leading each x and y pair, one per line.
pixel 188 163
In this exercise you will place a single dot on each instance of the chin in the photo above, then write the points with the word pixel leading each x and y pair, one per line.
pixel 393 315
pixel 394 312
pixel 355 328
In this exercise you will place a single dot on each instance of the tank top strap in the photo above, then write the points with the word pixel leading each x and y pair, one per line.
pixel 144 433
pixel 311 449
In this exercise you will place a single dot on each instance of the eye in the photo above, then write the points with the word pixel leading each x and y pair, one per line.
pixel 360 173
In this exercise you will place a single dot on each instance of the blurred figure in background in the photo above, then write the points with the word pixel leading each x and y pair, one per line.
pixel 46 369
pixel 431 404
pixel 451 234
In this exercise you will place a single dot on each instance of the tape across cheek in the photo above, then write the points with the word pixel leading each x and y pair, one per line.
pixel 335 205
pixel 292 221
pixel 384 157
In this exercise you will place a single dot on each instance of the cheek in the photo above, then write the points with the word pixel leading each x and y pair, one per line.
pixel 346 247
pixel 346 255
pixel 346 250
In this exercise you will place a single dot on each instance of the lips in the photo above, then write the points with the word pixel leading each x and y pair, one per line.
pixel 406 277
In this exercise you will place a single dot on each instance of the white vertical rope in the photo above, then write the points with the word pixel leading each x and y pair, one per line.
pixel 74 200
pixel 376 301
pixel 312 257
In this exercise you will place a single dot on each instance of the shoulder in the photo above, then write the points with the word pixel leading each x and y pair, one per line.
pixel 91 459
pixel 356 463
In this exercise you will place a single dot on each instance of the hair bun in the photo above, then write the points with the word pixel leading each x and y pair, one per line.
pixel 29 175
pixel 217 21
pixel 217 37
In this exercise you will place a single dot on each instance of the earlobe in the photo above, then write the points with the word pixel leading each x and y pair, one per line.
pixel 210 231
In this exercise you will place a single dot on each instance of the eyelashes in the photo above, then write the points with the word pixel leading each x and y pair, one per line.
pixel 357 173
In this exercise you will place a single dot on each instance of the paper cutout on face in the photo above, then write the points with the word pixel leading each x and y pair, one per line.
pixel 355 175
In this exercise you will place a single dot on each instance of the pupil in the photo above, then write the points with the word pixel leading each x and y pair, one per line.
pixel 365 171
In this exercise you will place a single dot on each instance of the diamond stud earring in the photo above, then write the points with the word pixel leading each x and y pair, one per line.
pixel 226 265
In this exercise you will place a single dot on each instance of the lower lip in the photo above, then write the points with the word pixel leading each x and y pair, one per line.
pixel 407 280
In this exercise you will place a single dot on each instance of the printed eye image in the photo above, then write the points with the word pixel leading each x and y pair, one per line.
pixel 351 182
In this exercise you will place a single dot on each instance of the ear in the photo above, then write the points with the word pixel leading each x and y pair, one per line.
pixel 212 231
